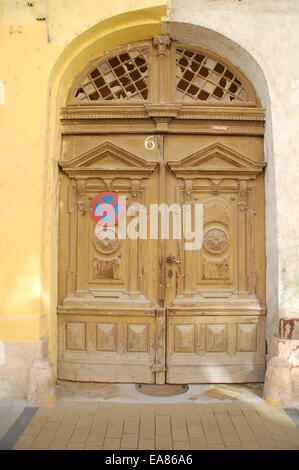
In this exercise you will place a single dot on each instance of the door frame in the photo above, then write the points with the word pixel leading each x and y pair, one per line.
pixel 162 116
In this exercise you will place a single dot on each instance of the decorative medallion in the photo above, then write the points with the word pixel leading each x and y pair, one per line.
pixel 215 240
pixel 106 241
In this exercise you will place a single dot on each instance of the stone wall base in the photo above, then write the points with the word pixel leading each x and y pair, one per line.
pixel 41 384
pixel 282 374
pixel 15 362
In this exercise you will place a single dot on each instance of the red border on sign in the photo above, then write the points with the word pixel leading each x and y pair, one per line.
pixel 107 208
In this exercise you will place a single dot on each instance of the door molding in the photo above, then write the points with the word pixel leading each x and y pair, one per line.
pixel 217 160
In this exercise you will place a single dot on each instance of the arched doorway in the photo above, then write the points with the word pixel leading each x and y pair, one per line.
pixel 161 122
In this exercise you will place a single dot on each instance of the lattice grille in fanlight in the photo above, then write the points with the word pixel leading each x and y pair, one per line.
pixel 122 77
pixel 200 77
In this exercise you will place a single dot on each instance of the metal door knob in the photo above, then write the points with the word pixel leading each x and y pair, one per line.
pixel 171 259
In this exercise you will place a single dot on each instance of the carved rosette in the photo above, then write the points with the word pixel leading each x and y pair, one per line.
pixel 106 244
pixel 215 240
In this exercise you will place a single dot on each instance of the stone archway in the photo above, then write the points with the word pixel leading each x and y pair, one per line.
pixel 237 55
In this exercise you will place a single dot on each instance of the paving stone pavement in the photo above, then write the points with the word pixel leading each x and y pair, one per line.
pixel 92 425
pixel 10 410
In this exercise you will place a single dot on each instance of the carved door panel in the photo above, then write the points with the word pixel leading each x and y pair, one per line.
pixel 215 295
pixel 108 288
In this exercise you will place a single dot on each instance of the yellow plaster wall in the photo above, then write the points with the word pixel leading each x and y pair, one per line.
pixel 38 60
pixel 25 64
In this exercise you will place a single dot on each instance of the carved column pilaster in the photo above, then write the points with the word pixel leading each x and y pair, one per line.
pixel 188 191
pixel 242 204
pixel 243 194
pixel 81 197
pixel 72 209
pixel 251 248
pixel 188 253
pixel 215 187
pixel 161 44
pixel 135 184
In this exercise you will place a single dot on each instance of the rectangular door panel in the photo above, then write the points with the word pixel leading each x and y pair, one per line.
pixel 107 348
pixel 215 349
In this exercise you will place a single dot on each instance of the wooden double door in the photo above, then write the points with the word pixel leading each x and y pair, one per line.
pixel 146 309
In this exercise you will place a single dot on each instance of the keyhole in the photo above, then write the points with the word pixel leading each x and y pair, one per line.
pixel 170 273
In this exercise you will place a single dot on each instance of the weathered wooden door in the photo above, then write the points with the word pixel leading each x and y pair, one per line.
pixel 215 322
pixel 108 320
pixel 144 308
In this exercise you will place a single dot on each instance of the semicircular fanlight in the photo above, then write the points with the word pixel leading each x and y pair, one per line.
pixel 203 78
pixel 121 77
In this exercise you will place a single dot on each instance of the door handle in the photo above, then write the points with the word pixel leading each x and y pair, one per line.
pixel 171 259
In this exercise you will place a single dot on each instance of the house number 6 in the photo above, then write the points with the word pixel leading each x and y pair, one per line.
pixel 149 143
